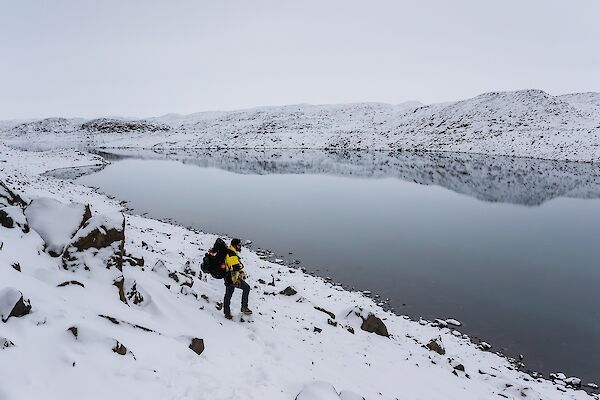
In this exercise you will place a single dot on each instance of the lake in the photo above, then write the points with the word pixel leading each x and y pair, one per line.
pixel 508 246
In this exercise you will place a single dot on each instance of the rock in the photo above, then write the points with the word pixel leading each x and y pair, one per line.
pixel 331 322
pixel 459 367
pixel 374 325
pixel 67 283
pixel 16 266
pixel 133 295
pixel 5 343
pixel 436 345
pixel 197 345
pixel 318 330
pixel 74 331
pixel 134 261
pixel 350 329
pixel 12 304
pixel 188 269
pixel 261 281
pixel 440 323
pixel 485 346
pixel 573 381
pixel 332 315
pixel 13 217
pixel 120 283
pixel 119 348
pixel 452 321
pixel 99 243
pixel 288 291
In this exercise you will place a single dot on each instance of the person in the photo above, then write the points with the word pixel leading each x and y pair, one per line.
pixel 234 277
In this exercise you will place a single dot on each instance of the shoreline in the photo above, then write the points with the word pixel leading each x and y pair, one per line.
pixel 417 330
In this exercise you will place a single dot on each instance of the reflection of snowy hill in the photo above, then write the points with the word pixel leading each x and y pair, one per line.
pixel 490 178
pixel 528 123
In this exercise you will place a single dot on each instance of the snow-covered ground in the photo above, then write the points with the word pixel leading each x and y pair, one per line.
pixel 527 123
pixel 102 325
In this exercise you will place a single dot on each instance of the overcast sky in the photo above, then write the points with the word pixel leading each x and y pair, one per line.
pixel 146 58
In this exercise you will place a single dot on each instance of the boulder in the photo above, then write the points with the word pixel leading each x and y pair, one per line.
pixel 197 345
pixel 13 217
pixel 288 291
pixel 12 304
pixel 374 325
pixel 99 243
pixel 56 222
pixel 436 345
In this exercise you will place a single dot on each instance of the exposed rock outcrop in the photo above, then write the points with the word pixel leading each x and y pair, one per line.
pixel 104 237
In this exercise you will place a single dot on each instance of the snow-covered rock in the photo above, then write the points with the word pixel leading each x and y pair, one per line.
pixel 12 304
pixel 452 321
pixel 13 217
pixel 56 222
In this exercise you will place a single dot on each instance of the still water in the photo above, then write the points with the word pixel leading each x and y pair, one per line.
pixel 510 247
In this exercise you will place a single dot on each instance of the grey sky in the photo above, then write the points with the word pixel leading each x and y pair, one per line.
pixel 145 58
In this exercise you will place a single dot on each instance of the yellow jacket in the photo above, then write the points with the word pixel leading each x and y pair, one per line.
pixel 233 265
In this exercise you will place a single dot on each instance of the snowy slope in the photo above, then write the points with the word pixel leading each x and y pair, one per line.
pixel 140 348
pixel 527 123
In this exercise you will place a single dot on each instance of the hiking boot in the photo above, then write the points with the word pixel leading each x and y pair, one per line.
pixel 246 311
pixel 228 316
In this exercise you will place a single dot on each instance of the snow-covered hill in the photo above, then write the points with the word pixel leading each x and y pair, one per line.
pixel 98 304
pixel 527 123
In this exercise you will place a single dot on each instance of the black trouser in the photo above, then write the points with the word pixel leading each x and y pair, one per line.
pixel 229 292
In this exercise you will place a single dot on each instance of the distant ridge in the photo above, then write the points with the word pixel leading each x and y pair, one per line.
pixel 526 123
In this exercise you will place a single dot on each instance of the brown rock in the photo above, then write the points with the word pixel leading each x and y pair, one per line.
pixel 374 325
pixel 436 345
pixel 119 283
pixel 288 291
pixel 119 348
pixel 197 345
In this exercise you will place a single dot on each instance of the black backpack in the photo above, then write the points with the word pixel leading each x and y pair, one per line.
pixel 211 264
